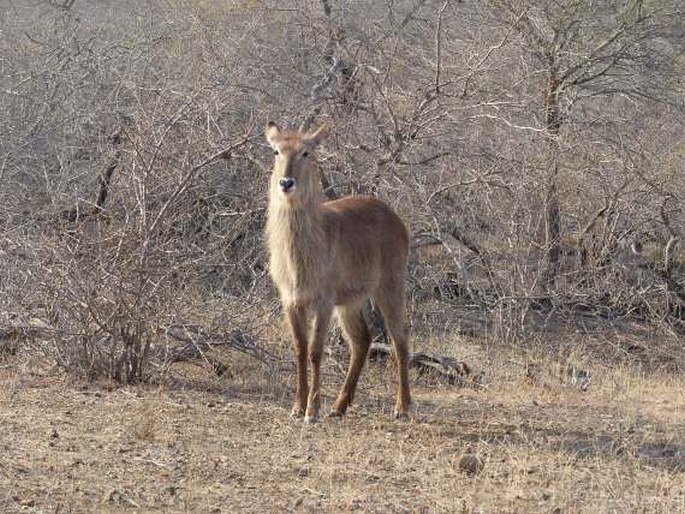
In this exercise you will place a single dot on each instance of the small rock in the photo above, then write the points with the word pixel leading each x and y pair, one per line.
pixel 111 496
pixel 470 464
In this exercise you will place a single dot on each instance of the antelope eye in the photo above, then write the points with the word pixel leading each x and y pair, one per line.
pixel 276 152
pixel 305 154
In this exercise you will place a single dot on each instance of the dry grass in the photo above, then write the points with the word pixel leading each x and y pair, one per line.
pixel 530 442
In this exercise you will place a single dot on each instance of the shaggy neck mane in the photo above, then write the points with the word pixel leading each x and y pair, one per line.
pixel 296 242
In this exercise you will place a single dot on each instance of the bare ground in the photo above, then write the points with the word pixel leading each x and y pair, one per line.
pixel 532 441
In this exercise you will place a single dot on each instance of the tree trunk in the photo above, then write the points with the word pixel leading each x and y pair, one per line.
pixel 552 207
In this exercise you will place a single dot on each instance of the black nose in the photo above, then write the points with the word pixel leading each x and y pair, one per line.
pixel 286 183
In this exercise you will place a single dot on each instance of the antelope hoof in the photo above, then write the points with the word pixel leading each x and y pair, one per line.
pixel 401 415
pixel 297 413
pixel 336 414
pixel 311 420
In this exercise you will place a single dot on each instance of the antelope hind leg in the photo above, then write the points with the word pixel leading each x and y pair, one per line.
pixel 357 334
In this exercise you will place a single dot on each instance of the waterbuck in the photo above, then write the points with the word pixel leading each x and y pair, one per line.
pixel 332 256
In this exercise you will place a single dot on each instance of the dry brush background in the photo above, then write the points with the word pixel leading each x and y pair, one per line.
pixel 535 150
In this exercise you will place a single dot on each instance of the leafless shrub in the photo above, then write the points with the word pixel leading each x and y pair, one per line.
pixel 533 148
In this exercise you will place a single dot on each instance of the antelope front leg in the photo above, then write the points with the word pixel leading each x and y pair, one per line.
pixel 322 319
pixel 297 321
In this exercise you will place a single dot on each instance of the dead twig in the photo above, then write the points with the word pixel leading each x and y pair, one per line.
pixel 190 175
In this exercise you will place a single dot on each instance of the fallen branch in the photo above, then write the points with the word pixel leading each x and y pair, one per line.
pixel 196 344
pixel 446 368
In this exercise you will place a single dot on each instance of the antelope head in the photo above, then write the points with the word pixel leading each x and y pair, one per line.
pixel 295 173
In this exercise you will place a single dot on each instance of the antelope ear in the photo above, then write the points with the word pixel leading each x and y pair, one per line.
pixel 272 133
pixel 319 135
